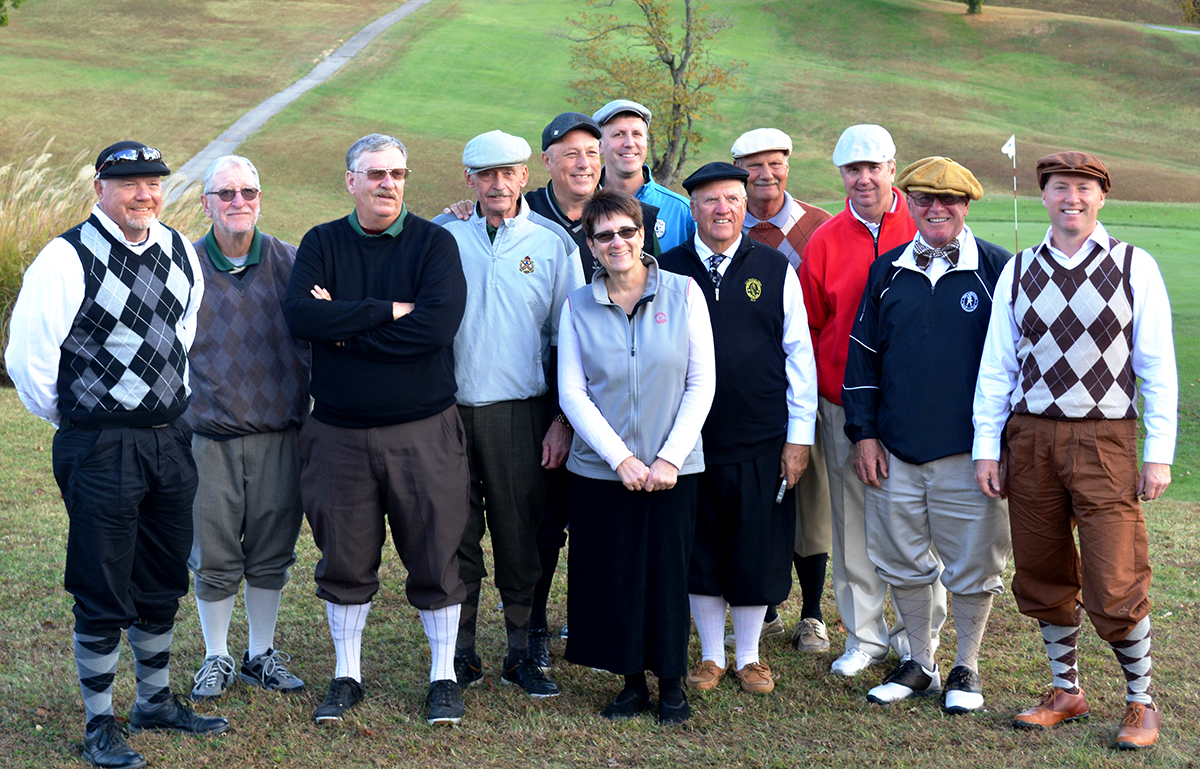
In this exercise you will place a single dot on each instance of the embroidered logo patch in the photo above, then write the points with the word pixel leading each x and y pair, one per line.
pixel 660 317
pixel 754 289
pixel 527 265
pixel 969 301
pixel 660 227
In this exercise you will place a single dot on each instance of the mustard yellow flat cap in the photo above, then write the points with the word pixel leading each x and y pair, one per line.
pixel 939 176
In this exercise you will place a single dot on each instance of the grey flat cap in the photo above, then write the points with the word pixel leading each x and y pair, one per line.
pixel 616 107
pixel 495 149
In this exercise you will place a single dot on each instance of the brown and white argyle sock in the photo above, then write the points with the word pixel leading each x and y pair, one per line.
pixel 1134 655
pixel 915 605
pixel 1062 646
pixel 970 614
pixel 151 646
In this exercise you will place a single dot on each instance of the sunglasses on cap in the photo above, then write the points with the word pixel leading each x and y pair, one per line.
pixel 626 233
pixel 377 174
pixel 924 199
pixel 130 155
pixel 248 194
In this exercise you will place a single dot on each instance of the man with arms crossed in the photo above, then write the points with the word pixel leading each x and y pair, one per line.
pixel 1076 321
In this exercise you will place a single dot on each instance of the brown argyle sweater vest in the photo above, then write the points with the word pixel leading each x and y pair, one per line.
pixel 1076 347
pixel 792 242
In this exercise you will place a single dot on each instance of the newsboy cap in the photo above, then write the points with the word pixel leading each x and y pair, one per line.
pixel 939 176
pixel 564 124
pixel 495 149
pixel 134 161
pixel 714 172
pixel 1081 163
pixel 619 106
pixel 864 143
pixel 761 140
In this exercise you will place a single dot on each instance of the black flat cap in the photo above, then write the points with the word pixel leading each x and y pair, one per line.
pixel 564 124
pixel 713 172
pixel 130 158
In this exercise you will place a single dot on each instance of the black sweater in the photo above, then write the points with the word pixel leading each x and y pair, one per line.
pixel 369 370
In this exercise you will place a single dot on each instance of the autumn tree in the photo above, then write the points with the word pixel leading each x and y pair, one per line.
pixel 653 57
pixel 974 6
pixel 5 7
pixel 1191 11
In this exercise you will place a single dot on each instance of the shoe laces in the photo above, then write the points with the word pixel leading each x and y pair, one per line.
pixel 213 670
pixel 1134 714
pixel 273 665
pixel 113 730
pixel 808 626
pixel 442 694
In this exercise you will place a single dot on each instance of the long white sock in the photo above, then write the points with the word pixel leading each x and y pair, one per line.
pixel 747 630
pixel 346 623
pixel 262 609
pixel 441 628
pixel 708 611
pixel 214 623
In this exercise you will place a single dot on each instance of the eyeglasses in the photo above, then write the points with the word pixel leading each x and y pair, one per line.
pixel 131 155
pixel 626 233
pixel 248 194
pixel 925 200
pixel 377 174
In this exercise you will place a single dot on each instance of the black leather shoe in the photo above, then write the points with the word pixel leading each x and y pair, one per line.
pixel 539 648
pixel 529 677
pixel 628 704
pixel 177 715
pixel 445 703
pixel 104 745
pixel 344 693
pixel 467 670
pixel 673 707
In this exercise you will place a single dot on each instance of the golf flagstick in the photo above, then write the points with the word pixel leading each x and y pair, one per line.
pixel 1010 149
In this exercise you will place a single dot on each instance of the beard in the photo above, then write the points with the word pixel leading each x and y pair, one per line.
pixel 140 222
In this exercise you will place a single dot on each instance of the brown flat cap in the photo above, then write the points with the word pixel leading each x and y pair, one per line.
pixel 939 176
pixel 1081 163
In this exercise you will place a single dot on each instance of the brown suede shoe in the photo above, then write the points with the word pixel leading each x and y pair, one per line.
pixel 756 678
pixel 1140 727
pixel 1055 708
pixel 705 676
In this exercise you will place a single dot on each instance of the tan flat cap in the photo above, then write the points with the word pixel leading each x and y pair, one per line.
pixel 939 176
pixel 1081 163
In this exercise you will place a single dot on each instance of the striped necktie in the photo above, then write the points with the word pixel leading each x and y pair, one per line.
pixel 714 262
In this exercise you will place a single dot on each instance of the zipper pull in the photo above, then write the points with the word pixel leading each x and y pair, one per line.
pixel 717 291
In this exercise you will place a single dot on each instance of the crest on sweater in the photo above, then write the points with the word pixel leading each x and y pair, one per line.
pixel 753 289
pixel 660 227
pixel 527 265
pixel 969 301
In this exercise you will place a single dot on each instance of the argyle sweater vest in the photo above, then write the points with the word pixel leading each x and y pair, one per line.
pixel 122 363
pixel 791 240
pixel 1076 347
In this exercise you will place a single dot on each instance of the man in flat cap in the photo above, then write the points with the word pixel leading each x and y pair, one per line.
pixel 519 269
pixel 380 295
pixel 1056 431
pixel 758 433
pixel 775 218
pixel 98 348
pixel 910 379
pixel 833 275
pixel 625 129
pixel 249 400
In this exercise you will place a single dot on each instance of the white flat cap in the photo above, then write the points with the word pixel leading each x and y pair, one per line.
pixel 616 107
pixel 495 149
pixel 761 140
pixel 864 144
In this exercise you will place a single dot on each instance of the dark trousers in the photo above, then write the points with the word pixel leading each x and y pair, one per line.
pixel 128 493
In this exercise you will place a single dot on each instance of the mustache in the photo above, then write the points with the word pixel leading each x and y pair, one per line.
pixel 390 194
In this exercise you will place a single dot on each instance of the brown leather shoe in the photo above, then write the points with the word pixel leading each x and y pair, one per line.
pixel 705 676
pixel 1055 708
pixel 1139 729
pixel 756 678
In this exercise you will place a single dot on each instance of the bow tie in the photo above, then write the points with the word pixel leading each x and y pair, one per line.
pixel 924 255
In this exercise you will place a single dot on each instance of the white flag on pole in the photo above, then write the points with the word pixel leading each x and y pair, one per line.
pixel 1010 147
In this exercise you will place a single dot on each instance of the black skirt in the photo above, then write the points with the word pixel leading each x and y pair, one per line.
pixel 627 596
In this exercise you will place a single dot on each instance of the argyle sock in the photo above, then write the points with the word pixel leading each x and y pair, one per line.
pixel 1134 655
pixel 1062 648
pixel 517 609
pixel 810 571
pixel 346 623
pixel 747 630
pixel 970 614
pixel 467 620
pixel 708 611
pixel 541 591
pixel 214 624
pixel 151 646
pixel 441 628
pixel 96 658
pixel 262 612
pixel 915 605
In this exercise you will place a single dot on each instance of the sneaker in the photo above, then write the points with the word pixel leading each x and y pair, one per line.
pixel 529 677
pixel 628 704
pixel 266 671
pixel 756 678
pixel 908 678
pixel 213 677
pixel 963 692
pixel 774 627
pixel 563 633
pixel 852 662
pixel 705 676
pixel 1139 728
pixel 1056 707
pixel 810 636
pixel 176 715
pixel 344 693
pixel 104 745
pixel 467 670
pixel 445 703
pixel 539 648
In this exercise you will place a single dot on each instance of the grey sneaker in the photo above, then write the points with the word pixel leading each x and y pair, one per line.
pixel 266 671
pixel 213 678
pixel 810 636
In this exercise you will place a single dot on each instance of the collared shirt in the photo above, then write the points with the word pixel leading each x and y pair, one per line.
pixel 52 292
pixel 393 229
pixel 800 369
pixel 873 226
pixel 968 256
pixel 1153 353
pixel 222 262
pixel 674 224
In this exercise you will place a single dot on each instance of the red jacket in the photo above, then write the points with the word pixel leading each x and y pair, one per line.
pixel 833 275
